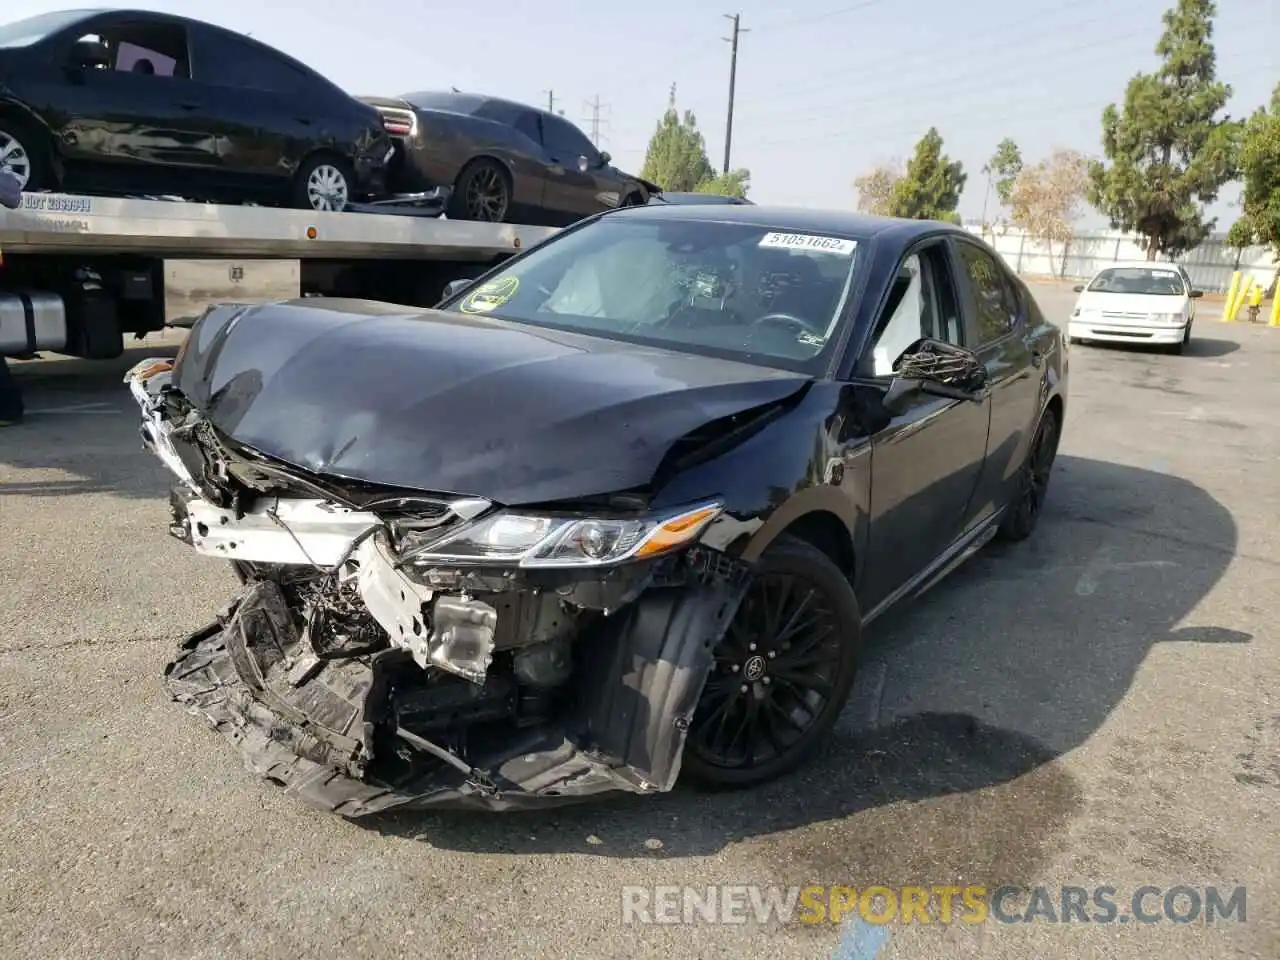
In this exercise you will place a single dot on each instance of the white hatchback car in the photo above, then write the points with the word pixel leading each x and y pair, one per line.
pixel 1144 302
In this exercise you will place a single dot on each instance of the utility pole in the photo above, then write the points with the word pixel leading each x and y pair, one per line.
pixel 733 76
pixel 595 106
pixel 551 101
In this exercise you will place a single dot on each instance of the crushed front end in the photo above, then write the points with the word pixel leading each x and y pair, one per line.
pixel 393 648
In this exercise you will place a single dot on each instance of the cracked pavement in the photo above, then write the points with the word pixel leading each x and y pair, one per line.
pixel 1096 706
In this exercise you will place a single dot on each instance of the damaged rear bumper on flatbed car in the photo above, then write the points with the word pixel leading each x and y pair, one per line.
pixel 364 673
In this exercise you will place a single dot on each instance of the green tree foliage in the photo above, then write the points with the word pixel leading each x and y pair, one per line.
pixel 1169 153
pixel 677 156
pixel 875 188
pixel 1259 222
pixel 930 187
pixel 1003 167
pixel 735 183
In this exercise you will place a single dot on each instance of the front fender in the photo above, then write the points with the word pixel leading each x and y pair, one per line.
pixel 794 467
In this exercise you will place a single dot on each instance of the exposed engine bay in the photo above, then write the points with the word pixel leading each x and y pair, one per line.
pixel 393 648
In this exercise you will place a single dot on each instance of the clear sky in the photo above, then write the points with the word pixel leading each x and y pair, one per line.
pixel 825 88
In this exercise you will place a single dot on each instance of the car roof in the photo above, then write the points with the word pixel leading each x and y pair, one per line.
pixel 792 219
pixel 1139 265
pixel 475 100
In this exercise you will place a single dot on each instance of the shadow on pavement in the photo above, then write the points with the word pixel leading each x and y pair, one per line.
pixel 1200 346
pixel 948 766
pixel 82 427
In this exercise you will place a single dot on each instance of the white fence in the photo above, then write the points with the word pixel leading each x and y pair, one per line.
pixel 1210 264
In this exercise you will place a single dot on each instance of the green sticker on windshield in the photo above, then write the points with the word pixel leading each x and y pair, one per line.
pixel 490 296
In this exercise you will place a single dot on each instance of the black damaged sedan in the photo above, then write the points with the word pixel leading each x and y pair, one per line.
pixel 617 511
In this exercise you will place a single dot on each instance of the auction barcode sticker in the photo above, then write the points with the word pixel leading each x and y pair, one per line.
pixel 808 241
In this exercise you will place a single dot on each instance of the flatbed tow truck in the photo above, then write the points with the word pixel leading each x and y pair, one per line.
pixel 79 273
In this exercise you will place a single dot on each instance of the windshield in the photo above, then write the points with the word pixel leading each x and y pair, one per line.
pixel 23 33
pixel 724 289
pixel 1144 280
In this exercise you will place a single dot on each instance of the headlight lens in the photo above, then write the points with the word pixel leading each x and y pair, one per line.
pixel 535 540
pixel 1166 317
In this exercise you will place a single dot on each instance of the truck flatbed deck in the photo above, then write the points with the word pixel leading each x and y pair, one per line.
pixel 69 223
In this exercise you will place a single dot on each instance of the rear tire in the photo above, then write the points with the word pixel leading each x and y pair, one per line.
pixel 482 192
pixel 1024 509
pixel 794 643
pixel 324 182
pixel 25 155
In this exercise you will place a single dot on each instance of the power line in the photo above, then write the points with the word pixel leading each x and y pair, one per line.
pixel 1035 104
pixel 1069 54
pixel 594 119
pixel 1001 43
pixel 736 19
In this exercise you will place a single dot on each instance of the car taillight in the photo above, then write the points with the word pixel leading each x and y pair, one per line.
pixel 398 123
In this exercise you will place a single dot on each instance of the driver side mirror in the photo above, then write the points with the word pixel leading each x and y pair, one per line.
pixel 1196 294
pixel 1078 288
pixel 455 287
pixel 87 54
pixel 605 158
pixel 938 369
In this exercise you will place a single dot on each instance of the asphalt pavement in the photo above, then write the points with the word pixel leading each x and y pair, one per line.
pixel 1095 707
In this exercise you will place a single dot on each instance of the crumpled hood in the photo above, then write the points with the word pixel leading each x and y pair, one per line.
pixel 451 403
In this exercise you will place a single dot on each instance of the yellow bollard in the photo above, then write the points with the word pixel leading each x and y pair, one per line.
pixel 1231 295
pixel 1275 307
pixel 1241 296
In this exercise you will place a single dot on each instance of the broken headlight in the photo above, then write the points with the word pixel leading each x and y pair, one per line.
pixel 544 540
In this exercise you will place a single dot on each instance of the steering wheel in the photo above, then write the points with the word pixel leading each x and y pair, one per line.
pixel 788 319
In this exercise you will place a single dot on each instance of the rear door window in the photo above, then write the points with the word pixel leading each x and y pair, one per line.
pixel 147 49
pixel 225 61
pixel 994 301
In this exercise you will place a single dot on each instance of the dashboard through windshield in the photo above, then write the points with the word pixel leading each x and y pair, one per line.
pixel 726 289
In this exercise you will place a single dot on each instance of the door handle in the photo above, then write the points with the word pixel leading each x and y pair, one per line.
pixel 189 106
pixel 1036 358
pixel 305 121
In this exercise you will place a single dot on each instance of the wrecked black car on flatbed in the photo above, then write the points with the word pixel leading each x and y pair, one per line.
pixel 617 510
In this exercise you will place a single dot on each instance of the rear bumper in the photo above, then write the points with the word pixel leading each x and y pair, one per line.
pixel 371 170
pixel 1107 332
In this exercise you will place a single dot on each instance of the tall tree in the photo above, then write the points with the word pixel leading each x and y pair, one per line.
pixel 1170 153
pixel 1002 172
pixel 1046 199
pixel 931 185
pixel 1259 221
pixel 677 156
pixel 735 183
pixel 875 187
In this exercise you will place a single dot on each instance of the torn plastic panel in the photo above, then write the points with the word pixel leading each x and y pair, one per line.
pixel 358 737
pixel 396 647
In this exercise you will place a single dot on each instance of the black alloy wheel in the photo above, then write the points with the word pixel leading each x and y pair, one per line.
pixel 1033 482
pixel 782 671
pixel 482 193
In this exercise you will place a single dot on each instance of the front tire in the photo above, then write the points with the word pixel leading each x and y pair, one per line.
pixel 1033 481
pixel 323 183
pixel 482 193
pixel 782 671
